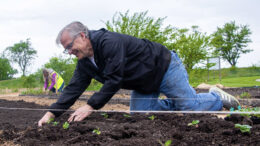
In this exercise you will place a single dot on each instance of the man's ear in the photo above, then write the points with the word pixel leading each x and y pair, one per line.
pixel 82 34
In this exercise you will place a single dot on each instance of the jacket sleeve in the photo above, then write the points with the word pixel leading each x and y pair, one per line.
pixel 53 81
pixel 71 93
pixel 114 55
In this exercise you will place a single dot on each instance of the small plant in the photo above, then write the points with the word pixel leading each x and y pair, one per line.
pixel 50 120
pixel 55 123
pixel 152 117
pixel 245 95
pixel 243 128
pixel 167 143
pixel 105 115
pixel 194 123
pixel 66 125
pixel 126 115
pixel 97 131
pixel 32 92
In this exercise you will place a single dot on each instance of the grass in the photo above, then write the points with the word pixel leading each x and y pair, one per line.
pixel 238 81
pixel 230 77
pixel 11 84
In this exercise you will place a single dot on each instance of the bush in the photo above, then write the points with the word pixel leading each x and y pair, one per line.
pixel 29 81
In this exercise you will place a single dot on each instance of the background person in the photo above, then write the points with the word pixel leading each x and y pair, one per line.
pixel 123 61
pixel 52 81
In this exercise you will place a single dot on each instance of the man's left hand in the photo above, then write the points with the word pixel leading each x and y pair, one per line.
pixel 81 113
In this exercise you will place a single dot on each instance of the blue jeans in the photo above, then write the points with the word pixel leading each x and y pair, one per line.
pixel 180 95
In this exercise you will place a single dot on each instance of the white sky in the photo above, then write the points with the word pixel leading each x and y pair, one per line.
pixel 41 20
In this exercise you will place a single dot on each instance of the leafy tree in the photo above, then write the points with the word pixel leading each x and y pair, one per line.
pixel 23 54
pixel 64 66
pixel 192 46
pixel 141 26
pixel 6 70
pixel 231 41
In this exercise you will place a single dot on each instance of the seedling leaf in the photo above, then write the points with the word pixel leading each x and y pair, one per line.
pixel 50 120
pixel 105 115
pixel 152 117
pixel 97 131
pixel 126 115
pixel 66 125
pixel 243 128
pixel 194 122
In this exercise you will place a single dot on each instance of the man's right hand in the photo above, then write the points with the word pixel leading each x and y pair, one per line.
pixel 46 118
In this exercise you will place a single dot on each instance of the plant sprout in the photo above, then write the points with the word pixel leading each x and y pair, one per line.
pixel 97 131
pixel 126 115
pixel 55 123
pixel 66 125
pixel 50 120
pixel 152 117
pixel 105 115
pixel 243 128
pixel 194 122
pixel 167 143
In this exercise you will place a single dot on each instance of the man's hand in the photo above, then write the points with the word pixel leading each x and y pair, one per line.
pixel 46 118
pixel 81 113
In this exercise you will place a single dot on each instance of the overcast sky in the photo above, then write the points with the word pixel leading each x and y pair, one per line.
pixel 41 20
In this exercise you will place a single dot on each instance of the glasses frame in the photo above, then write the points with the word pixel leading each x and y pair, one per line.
pixel 70 45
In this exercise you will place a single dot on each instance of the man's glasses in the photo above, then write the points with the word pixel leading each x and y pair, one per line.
pixel 69 46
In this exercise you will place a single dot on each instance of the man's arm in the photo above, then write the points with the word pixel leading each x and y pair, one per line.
pixel 71 93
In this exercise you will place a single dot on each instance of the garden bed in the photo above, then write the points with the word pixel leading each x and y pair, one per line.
pixel 20 127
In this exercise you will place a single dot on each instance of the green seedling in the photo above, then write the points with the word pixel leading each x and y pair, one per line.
pixel 256 109
pixel 245 95
pixel 126 115
pixel 152 117
pixel 66 125
pixel 55 123
pixel 50 120
pixel 194 123
pixel 243 128
pixel 167 143
pixel 97 131
pixel 105 115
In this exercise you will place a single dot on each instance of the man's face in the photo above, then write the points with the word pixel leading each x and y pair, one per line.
pixel 80 46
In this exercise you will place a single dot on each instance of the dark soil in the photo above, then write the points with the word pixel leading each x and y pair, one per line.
pixel 20 126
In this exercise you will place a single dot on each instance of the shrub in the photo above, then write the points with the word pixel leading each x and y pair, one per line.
pixel 29 81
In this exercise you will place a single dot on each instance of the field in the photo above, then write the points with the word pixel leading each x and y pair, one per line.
pixel 19 116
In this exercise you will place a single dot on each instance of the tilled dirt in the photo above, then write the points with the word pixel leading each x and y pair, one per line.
pixel 19 127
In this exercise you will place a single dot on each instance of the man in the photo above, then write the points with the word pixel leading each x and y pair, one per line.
pixel 122 61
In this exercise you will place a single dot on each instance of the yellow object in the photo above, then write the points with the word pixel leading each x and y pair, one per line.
pixel 59 80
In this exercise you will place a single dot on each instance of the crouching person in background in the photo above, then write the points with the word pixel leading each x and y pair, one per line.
pixel 52 81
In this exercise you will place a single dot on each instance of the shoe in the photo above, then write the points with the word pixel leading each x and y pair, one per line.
pixel 228 100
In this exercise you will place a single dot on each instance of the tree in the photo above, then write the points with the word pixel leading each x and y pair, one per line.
pixel 23 54
pixel 231 41
pixel 6 70
pixel 191 46
pixel 64 66
pixel 141 26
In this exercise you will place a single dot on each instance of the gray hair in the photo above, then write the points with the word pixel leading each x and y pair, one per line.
pixel 74 28
pixel 48 70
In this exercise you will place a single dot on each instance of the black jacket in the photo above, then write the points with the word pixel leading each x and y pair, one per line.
pixel 123 62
